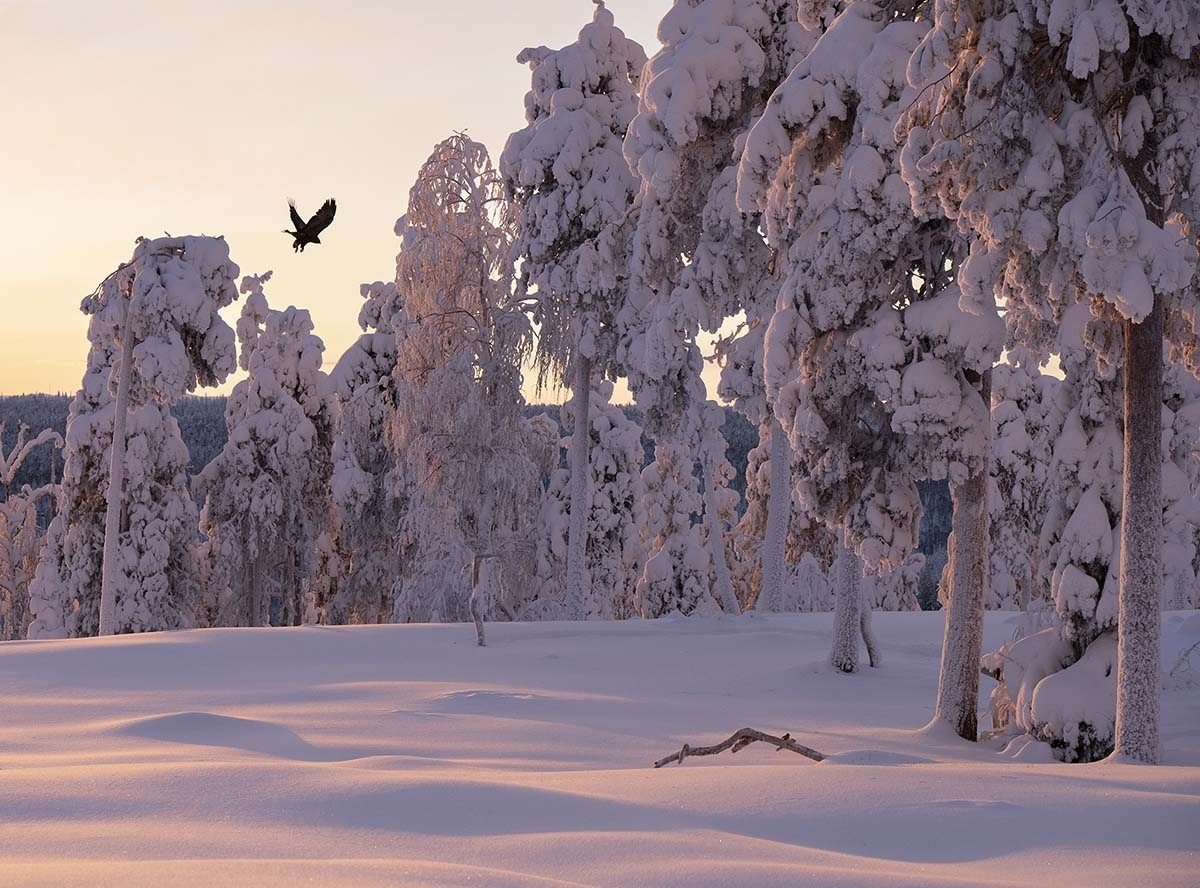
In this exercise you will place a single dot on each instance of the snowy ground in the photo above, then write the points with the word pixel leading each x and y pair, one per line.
pixel 405 755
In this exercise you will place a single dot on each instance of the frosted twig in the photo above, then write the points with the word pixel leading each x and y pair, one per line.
pixel 742 738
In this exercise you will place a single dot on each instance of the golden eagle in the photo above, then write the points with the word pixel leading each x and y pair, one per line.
pixel 307 232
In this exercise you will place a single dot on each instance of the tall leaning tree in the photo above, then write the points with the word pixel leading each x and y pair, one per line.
pixel 575 189
pixel 1064 142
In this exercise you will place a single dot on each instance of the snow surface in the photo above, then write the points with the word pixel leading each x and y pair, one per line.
pixel 404 754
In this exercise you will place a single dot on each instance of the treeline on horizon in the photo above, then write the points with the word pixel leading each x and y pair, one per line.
pixel 201 421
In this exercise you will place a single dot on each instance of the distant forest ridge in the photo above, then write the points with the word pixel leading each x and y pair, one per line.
pixel 202 424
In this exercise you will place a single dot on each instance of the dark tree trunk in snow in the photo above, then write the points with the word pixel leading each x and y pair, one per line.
pixel 116 485
pixel 847 610
pixel 958 682
pixel 581 490
pixel 779 508
pixel 1139 624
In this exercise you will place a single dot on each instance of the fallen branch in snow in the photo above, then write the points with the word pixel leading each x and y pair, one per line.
pixel 744 737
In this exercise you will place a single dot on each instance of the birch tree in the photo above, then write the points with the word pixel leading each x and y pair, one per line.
pixel 462 447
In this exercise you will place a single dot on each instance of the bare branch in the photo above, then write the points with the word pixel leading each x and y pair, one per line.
pixel 742 738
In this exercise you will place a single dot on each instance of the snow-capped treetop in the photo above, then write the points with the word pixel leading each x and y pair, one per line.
pixel 567 172
pixel 715 54
pixel 280 350
pixel 174 287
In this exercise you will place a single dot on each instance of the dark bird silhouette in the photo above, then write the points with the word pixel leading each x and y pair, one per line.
pixel 307 232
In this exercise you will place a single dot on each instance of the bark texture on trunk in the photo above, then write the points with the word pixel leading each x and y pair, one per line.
pixel 1139 623
pixel 779 510
pixel 847 610
pixel 958 680
pixel 868 633
pixel 116 486
pixel 581 491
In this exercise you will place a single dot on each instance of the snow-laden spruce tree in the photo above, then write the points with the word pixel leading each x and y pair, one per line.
pixel 266 494
pixel 677 576
pixel 696 260
pixel 364 564
pixel 20 537
pixel 1024 432
pixel 614 546
pixel 876 371
pixel 155 335
pixel 575 189
pixel 462 447
pixel 1063 140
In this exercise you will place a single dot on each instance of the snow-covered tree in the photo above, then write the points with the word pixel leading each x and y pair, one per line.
pixel 1064 678
pixel 266 495
pixel 614 546
pixel 1063 141
pixel 876 371
pixel 567 172
pixel 1022 442
pixel 20 537
pixel 808 587
pixel 677 576
pixel 362 568
pixel 156 334
pixel 696 260
pixel 462 447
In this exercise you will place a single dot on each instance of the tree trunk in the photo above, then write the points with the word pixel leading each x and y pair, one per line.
pixel 958 681
pixel 1139 624
pixel 716 540
pixel 483 586
pixel 779 510
pixel 116 485
pixel 581 492
pixel 847 604
pixel 868 633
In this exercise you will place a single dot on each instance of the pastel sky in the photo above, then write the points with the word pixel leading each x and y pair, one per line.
pixel 124 118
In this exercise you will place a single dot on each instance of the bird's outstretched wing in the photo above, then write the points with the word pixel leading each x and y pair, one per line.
pixel 297 222
pixel 321 218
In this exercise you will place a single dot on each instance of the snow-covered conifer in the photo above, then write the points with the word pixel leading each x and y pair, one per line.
pixel 614 546
pixel 155 332
pixel 266 495
pixel 677 576
pixel 1024 432
pixel 695 259
pixel 1064 143
pixel 363 566
pixel 874 368
pixel 575 188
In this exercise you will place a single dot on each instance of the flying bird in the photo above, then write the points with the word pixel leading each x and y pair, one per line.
pixel 308 232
